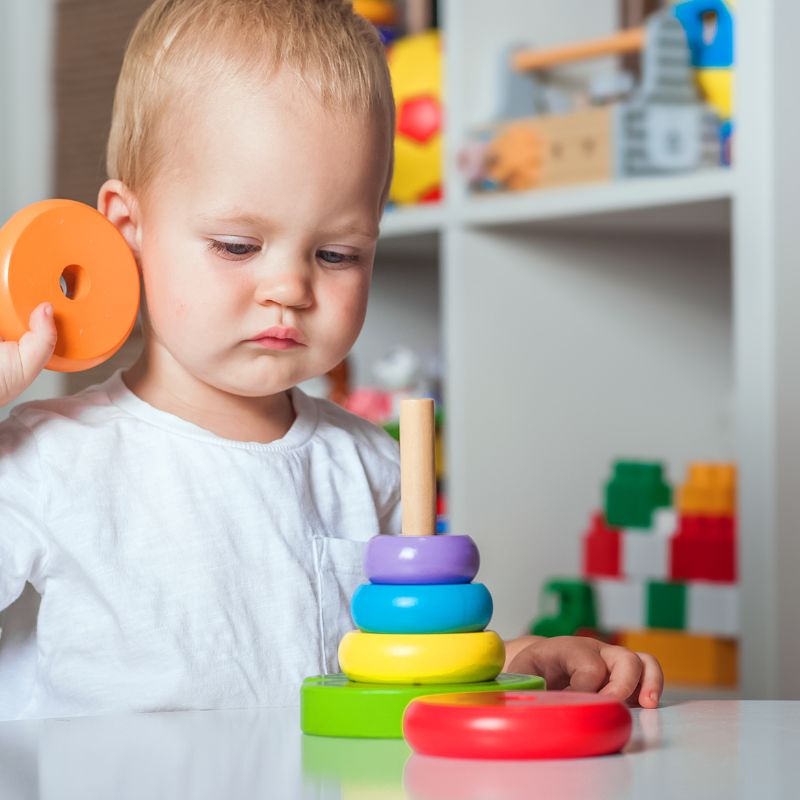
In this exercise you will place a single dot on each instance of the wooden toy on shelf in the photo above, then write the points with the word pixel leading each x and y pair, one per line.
pixel 69 254
pixel 421 619
pixel 662 126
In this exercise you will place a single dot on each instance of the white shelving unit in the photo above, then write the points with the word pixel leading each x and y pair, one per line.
pixel 650 318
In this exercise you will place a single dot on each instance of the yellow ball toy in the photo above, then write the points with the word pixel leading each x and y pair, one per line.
pixel 415 63
pixel 421 657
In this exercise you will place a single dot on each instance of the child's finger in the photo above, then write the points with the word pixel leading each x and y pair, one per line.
pixel 589 675
pixel 37 345
pixel 625 671
pixel 652 681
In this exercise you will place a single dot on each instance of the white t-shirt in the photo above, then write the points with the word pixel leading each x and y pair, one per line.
pixel 178 569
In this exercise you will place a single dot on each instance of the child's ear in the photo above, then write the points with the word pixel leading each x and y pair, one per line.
pixel 116 202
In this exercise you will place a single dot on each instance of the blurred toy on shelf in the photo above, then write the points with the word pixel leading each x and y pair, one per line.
pixel 657 577
pixel 617 128
pixel 399 374
pixel 334 385
pixel 709 26
pixel 415 63
pixel 382 14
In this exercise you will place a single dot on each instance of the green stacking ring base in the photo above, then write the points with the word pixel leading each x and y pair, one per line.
pixel 332 705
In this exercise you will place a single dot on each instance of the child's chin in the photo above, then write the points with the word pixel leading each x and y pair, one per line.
pixel 249 385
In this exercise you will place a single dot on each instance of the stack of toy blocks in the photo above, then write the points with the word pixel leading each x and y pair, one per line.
pixel 660 579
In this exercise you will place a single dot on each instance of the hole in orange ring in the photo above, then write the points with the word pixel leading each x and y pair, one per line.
pixel 74 282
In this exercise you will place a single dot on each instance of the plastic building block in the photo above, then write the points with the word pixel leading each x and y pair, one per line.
pixel 704 549
pixel 644 554
pixel 505 725
pixel 575 608
pixel 332 705
pixel 710 489
pixel 666 605
pixel 635 491
pixel 687 659
pixel 709 31
pixel 713 608
pixel 620 604
pixel 665 522
pixel 601 550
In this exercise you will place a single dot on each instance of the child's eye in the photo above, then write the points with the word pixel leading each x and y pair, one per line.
pixel 335 257
pixel 233 250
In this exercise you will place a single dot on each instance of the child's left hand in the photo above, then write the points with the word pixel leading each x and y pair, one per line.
pixel 587 665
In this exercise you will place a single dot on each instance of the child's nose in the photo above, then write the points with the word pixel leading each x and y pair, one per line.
pixel 287 286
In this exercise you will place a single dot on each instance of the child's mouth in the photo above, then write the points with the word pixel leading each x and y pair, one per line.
pixel 273 343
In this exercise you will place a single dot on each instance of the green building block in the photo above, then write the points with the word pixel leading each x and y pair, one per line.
pixel 666 605
pixel 636 489
pixel 575 608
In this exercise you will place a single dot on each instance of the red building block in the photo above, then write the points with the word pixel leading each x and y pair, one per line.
pixel 602 550
pixel 704 549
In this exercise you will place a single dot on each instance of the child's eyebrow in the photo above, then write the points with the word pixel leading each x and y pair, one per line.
pixel 258 220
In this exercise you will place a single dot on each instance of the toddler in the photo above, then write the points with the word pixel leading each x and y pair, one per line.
pixel 188 533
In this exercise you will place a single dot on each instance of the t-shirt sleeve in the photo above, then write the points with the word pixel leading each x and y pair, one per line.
pixel 22 550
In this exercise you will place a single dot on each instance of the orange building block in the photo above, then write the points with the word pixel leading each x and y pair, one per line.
pixel 709 489
pixel 687 659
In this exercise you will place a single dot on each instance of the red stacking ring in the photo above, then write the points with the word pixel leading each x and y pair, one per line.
pixel 521 725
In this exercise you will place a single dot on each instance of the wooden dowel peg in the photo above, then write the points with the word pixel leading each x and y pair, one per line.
pixel 417 467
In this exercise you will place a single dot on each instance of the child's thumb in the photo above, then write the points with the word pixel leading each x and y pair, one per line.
pixel 37 345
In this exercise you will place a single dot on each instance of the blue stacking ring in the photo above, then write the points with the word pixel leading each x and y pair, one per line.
pixel 415 608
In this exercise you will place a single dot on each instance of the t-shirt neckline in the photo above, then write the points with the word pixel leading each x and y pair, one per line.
pixel 301 430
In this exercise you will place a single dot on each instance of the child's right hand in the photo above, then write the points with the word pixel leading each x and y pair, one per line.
pixel 21 362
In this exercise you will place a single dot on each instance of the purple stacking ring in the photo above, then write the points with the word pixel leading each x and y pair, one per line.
pixel 443 558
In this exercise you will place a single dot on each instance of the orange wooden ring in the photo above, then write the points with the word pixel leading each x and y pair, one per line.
pixel 57 243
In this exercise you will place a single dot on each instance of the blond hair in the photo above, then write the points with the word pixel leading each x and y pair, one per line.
pixel 181 45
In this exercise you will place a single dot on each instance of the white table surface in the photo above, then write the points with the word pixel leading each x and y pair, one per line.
pixel 701 749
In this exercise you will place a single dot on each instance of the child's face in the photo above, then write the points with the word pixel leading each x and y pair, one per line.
pixel 266 215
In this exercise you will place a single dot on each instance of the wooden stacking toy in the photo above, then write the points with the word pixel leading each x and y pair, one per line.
pixel 70 255
pixel 421 620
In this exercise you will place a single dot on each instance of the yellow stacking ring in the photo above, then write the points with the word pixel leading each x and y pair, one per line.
pixel 421 657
